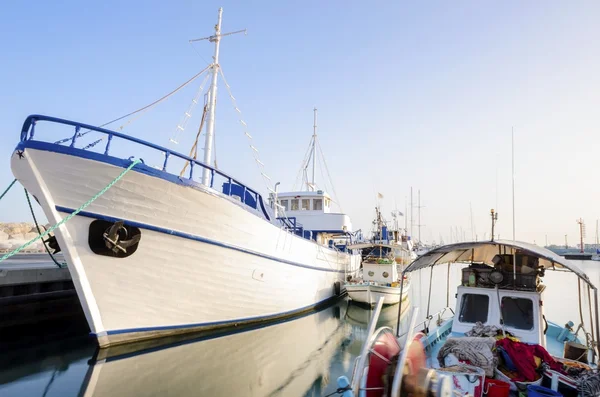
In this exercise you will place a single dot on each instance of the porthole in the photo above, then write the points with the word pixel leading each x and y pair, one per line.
pixel 386 274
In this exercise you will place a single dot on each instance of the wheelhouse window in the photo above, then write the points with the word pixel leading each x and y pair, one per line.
pixel 295 204
pixel 284 204
pixel 318 204
pixel 517 312
pixel 306 204
pixel 473 308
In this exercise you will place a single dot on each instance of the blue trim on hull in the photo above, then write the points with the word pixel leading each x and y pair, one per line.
pixel 219 324
pixel 193 237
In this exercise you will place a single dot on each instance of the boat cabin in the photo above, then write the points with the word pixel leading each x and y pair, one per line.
pixel 503 295
pixel 379 266
pixel 309 214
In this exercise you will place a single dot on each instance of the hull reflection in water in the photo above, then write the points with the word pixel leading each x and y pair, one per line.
pixel 357 317
pixel 286 359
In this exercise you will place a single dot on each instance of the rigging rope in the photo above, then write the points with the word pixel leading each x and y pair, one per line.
pixel 194 148
pixel 255 153
pixel 140 109
pixel 78 210
pixel 188 114
pixel 329 175
pixel 37 226
pixel 303 166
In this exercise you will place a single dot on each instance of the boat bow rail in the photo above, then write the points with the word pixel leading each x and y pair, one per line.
pixel 250 197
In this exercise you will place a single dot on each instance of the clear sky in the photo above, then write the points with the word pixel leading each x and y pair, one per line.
pixel 420 94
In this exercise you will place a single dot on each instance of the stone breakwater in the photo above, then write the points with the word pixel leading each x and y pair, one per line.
pixel 13 235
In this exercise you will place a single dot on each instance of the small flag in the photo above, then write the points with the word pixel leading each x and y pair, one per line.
pixel 379 195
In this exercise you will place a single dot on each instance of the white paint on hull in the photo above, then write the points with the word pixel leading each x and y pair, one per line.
pixel 370 294
pixel 172 282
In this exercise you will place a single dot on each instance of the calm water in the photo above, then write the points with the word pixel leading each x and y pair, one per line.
pixel 301 357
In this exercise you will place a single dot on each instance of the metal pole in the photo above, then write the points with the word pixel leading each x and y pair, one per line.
pixel 597 322
pixel 419 214
pixel 411 213
pixel 363 354
pixel 513 184
pixel 314 148
pixel 448 287
pixel 212 102
pixel 400 306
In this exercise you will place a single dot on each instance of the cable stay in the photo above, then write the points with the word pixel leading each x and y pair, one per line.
pixel 188 114
pixel 140 110
pixel 310 162
pixel 255 151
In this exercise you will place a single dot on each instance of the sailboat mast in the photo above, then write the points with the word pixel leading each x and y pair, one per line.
pixel 314 148
pixel 212 102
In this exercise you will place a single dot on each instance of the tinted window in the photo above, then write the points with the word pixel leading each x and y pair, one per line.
pixel 318 204
pixel 473 308
pixel 295 203
pixel 517 312
pixel 284 203
pixel 305 204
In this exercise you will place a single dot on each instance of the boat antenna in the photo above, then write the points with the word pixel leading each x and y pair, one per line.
pixel 419 206
pixel 513 182
pixel 581 233
pixel 212 95
pixel 314 148
pixel 494 219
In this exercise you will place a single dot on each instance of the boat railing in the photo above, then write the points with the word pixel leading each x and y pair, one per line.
pixel 249 196
pixel 425 323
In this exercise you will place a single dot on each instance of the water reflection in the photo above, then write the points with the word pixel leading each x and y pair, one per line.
pixel 286 359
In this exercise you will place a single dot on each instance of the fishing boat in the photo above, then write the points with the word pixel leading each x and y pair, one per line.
pixel 383 232
pixel 181 246
pixel 379 277
pixel 496 340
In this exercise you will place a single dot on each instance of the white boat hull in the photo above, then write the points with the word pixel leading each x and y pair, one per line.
pixel 203 261
pixel 370 294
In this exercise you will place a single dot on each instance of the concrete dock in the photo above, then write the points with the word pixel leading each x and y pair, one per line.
pixel 28 277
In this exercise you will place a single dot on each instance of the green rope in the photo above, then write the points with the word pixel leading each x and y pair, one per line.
pixel 78 210
pixel 37 226
pixel 8 188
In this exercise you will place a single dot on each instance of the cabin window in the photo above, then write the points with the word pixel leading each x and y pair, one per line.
pixel 473 308
pixel 318 204
pixel 306 204
pixel 284 204
pixel 295 204
pixel 517 312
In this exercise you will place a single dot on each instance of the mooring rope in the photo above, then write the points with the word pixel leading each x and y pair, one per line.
pixel 78 210
pixel 37 226
pixel 8 188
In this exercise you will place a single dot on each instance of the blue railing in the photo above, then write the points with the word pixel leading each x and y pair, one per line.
pixel 292 225
pixel 28 133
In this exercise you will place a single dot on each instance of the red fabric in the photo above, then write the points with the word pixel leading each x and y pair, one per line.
pixel 522 356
